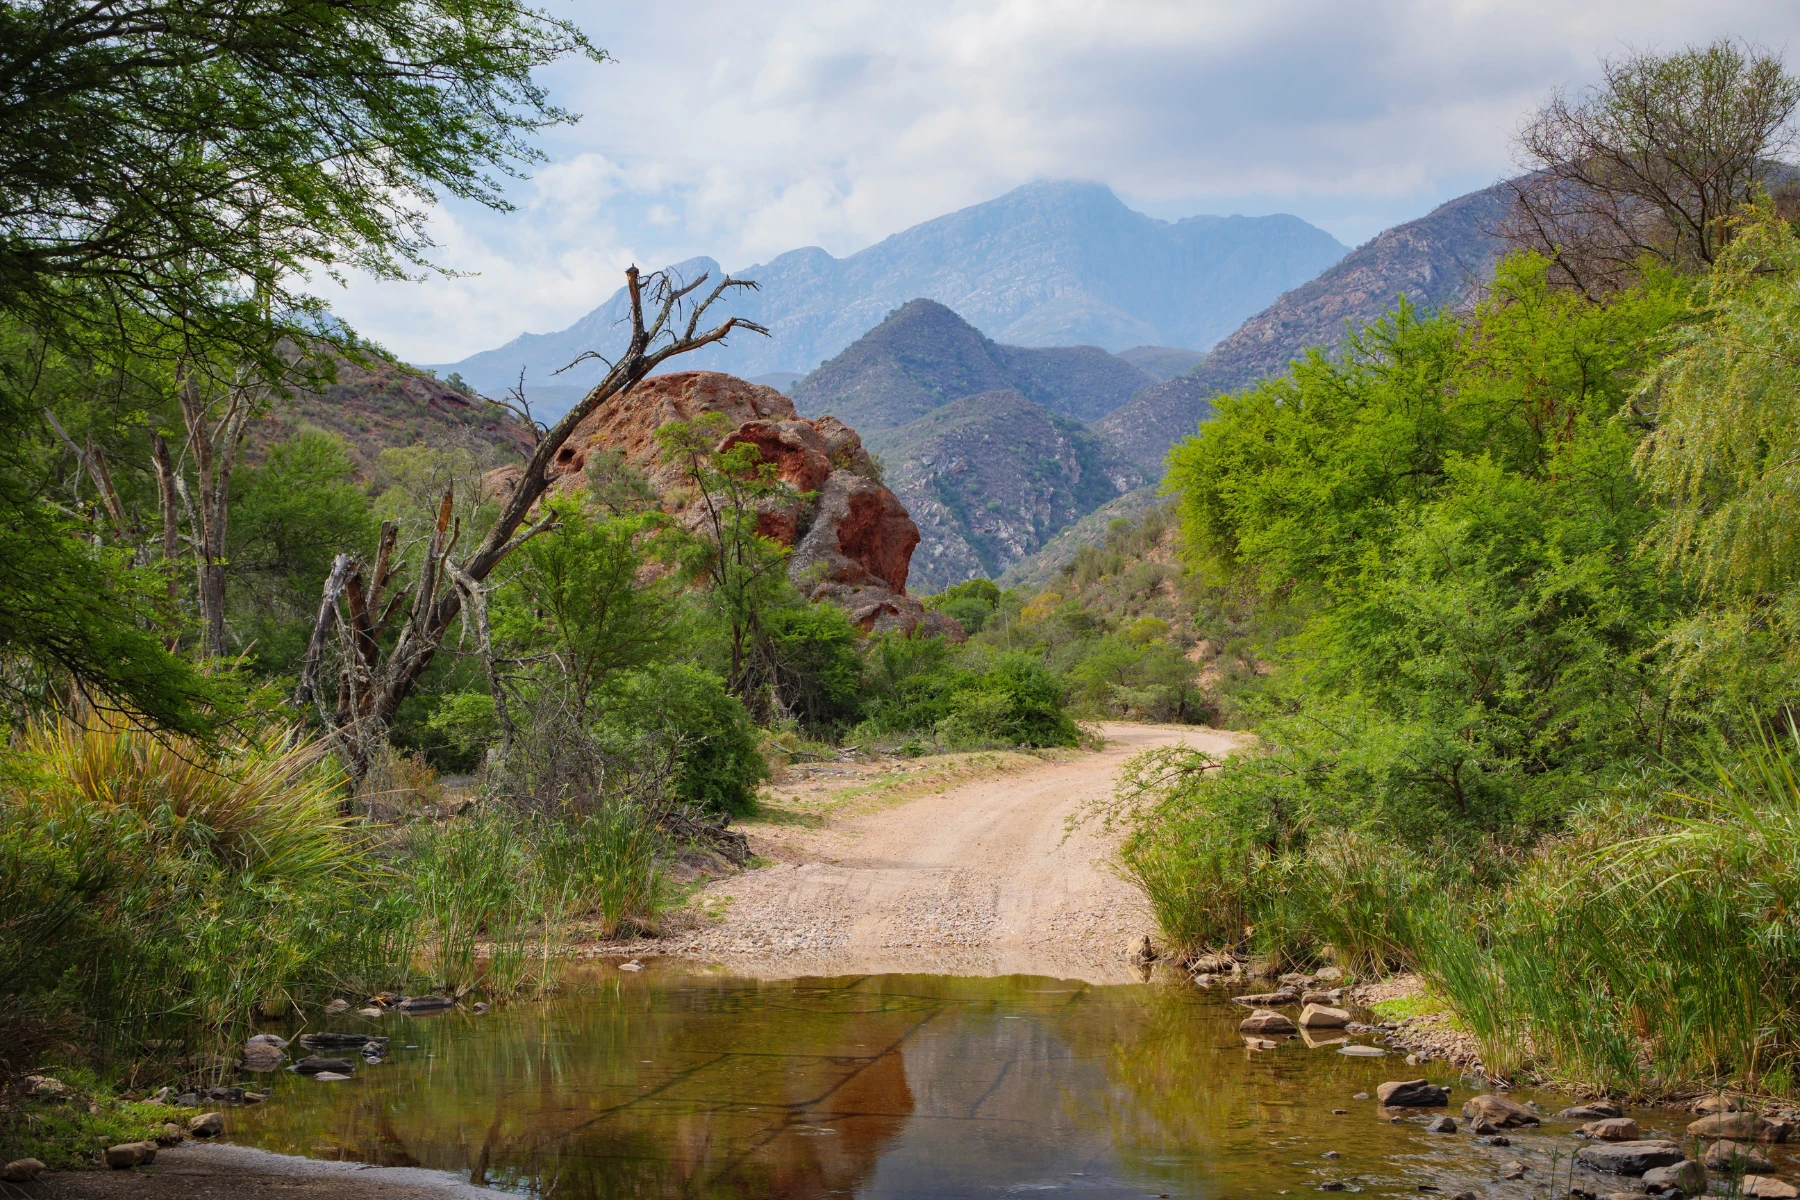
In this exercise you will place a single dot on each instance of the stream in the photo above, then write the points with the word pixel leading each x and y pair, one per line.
pixel 676 1082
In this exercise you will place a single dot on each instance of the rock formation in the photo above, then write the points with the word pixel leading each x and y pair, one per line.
pixel 852 542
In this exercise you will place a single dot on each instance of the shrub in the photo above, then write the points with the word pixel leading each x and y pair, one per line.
pixel 1014 702
pixel 708 731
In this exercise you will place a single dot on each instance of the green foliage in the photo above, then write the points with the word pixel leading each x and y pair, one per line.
pixel 1013 702
pixel 687 708
pixel 817 656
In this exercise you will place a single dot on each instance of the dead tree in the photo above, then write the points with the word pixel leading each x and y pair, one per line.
pixel 374 677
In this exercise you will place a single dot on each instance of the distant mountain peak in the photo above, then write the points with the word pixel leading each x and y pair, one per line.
pixel 1051 263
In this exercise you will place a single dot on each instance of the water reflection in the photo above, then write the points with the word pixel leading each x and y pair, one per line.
pixel 882 1086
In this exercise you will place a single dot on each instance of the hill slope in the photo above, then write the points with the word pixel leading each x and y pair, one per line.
pixel 990 478
pixel 1046 264
pixel 1434 261
pixel 923 356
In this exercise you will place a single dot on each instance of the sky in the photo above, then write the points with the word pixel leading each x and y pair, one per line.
pixel 741 131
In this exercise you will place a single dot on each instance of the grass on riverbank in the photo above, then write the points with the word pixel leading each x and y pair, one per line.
pixel 155 898
pixel 1650 949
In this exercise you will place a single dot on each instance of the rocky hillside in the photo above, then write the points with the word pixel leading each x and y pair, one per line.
pixel 1434 261
pixel 381 404
pixel 1048 264
pixel 923 356
pixel 852 543
pixel 990 478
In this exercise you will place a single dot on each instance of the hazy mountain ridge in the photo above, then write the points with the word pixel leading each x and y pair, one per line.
pixel 990 478
pixel 1048 264
pixel 1435 261
pixel 923 356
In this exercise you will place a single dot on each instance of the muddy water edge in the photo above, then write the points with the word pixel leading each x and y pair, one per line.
pixel 677 1082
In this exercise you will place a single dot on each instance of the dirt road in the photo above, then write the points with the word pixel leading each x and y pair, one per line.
pixel 977 877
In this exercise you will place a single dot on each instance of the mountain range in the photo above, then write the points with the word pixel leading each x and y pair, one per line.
pixel 1047 264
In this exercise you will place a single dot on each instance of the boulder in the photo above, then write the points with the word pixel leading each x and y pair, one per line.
pixel 1441 1125
pixel 1592 1111
pixel 210 1124
pixel 1687 1177
pixel 1264 1021
pixel 1739 1127
pixel 43 1087
pixel 852 543
pixel 1318 1016
pixel 313 1064
pixel 337 1006
pixel 1412 1093
pixel 1630 1158
pixel 1708 1105
pixel 1737 1158
pixel 1613 1129
pixel 171 1134
pixel 1767 1187
pixel 1498 1110
pixel 130 1154
pixel 21 1170
pixel 1275 999
pixel 261 1056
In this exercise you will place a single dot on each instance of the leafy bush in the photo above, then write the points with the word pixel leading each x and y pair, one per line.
pixel 711 736
pixel 1014 702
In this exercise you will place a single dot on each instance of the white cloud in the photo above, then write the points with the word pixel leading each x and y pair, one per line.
pixel 741 131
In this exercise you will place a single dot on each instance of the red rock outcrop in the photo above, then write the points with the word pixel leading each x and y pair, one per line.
pixel 852 544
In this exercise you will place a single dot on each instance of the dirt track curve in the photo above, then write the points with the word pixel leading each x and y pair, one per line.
pixel 983 877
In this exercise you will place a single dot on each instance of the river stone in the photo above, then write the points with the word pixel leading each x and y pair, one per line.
pixel 1739 1158
pixel 267 1039
pixel 330 1040
pixel 46 1088
pixel 416 1004
pixel 1256 1043
pixel 171 1134
pixel 21 1170
pixel 1318 1016
pixel 260 1056
pixel 1708 1105
pixel 1767 1187
pixel 1264 1021
pixel 1613 1129
pixel 1442 1125
pixel 1268 999
pixel 188 1100
pixel 1512 1170
pixel 1630 1158
pixel 371 1011
pixel 1363 1051
pixel 1594 1110
pixel 210 1124
pixel 337 1006
pixel 329 1077
pixel 1481 1126
pixel 312 1064
pixel 1498 1110
pixel 129 1154
pixel 1329 974
pixel 1412 1093
pixel 1688 1178
pixel 1739 1127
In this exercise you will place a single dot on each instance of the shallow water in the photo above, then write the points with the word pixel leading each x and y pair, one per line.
pixel 670 1083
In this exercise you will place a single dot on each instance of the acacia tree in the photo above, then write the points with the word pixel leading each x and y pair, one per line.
pixel 1654 162
pixel 174 172
pixel 359 604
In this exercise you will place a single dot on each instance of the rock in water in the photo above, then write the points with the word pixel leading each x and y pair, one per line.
pixel 1612 1129
pixel 329 1077
pixel 261 1056
pixel 1141 951
pixel 419 1004
pixel 1630 1158
pixel 337 1006
pixel 371 1011
pixel 1512 1170
pixel 1363 1051
pixel 1268 999
pixel 1739 1127
pixel 210 1124
pixel 334 1041
pixel 312 1064
pixel 1441 1125
pixel 1738 1158
pixel 1412 1093
pixel 1256 1043
pixel 21 1170
pixel 1719 1104
pixel 1264 1021
pixel 1767 1187
pixel 1591 1111
pixel 1688 1178
pixel 1498 1110
pixel 1318 1016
